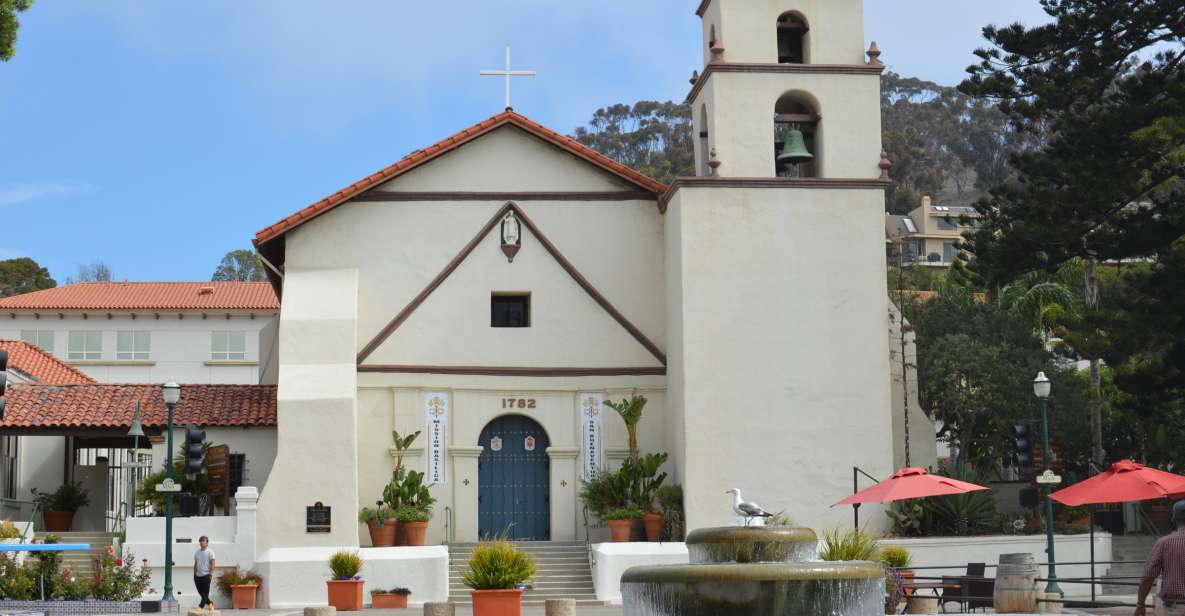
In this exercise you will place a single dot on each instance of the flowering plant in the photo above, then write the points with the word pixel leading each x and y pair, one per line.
pixel 117 579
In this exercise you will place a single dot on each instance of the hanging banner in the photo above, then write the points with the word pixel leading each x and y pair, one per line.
pixel 591 443
pixel 436 417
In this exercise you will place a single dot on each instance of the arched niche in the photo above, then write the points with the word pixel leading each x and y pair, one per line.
pixel 793 38
pixel 704 144
pixel 798 111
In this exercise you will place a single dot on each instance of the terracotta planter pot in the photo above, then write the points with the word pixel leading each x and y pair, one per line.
pixel 652 520
pixel 415 532
pixel 497 602
pixel 619 530
pixel 387 601
pixel 242 596
pixel 58 521
pixel 401 534
pixel 383 536
pixel 345 595
pixel 907 579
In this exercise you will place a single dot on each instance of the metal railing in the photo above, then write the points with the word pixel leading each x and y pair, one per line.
pixel 592 558
pixel 450 530
pixel 11 508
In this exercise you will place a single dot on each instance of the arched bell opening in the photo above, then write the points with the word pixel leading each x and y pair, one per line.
pixel 793 39
pixel 796 137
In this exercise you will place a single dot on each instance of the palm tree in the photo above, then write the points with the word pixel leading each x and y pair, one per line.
pixel 1037 301
pixel 631 412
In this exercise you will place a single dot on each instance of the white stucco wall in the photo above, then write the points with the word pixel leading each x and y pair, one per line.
pixel 747 29
pixel 785 358
pixel 923 446
pixel 179 347
pixel 295 577
pixel 612 559
pixel 316 455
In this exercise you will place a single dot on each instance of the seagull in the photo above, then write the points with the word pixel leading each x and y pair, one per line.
pixel 747 510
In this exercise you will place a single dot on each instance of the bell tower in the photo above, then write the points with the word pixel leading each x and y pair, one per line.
pixel 777 301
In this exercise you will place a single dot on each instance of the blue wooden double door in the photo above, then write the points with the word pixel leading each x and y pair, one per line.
pixel 514 480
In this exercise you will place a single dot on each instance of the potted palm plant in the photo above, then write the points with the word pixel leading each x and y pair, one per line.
pixel 389 599
pixel 401 445
pixel 621 521
pixel 345 589
pixel 58 507
pixel 495 572
pixel 412 502
pixel 242 588
pixel 631 413
pixel 382 523
pixel 646 482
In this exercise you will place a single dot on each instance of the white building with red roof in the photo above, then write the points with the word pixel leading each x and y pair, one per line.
pixel 151 332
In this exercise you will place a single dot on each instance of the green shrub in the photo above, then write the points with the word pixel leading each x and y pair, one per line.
pixel 625 513
pixel 394 591
pixel 670 498
pixel 233 577
pixel 896 557
pixel 497 565
pixel 17 582
pixel 605 491
pixel 71 496
pixel 909 518
pixel 8 530
pixel 379 514
pixel 407 513
pixel 70 587
pixel 345 565
pixel 119 579
pixel 854 544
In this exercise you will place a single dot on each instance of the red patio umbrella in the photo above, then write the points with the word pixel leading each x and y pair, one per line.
pixel 910 483
pixel 1125 481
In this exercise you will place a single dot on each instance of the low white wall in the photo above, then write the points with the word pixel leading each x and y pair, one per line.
pixel 145 540
pixel 295 577
pixel 958 551
pixel 612 559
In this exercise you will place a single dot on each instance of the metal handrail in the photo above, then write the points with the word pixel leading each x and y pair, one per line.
pixel 450 530
pixel 592 558
pixel 31 525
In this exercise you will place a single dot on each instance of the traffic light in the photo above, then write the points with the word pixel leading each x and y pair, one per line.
pixel 195 454
pixel 3 379
pixel 1022 437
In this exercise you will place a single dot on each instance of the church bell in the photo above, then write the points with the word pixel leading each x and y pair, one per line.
pixel 794 149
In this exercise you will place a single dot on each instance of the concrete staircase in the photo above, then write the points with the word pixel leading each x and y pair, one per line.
pixel 1127 548
pixel 563 572
pixel 83 563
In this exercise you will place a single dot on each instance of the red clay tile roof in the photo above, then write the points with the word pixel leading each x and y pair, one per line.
pixel 119 296
pixel 31 360
pixel 111 406
pixel 419 157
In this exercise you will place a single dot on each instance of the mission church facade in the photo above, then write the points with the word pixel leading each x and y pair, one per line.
pixel 494 289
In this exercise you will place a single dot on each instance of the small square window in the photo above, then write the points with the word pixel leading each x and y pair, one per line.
pixel 510 310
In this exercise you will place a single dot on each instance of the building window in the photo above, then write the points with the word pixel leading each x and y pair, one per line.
pixel 40 337
pixel 228 345
pixel 947 224
pixel 85 345
pixel 792 32
pixel 8 469
pixel 132 345
pixel 510 310
pixel 949 252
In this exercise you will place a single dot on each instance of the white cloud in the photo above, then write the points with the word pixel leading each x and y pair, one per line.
pixel 24 192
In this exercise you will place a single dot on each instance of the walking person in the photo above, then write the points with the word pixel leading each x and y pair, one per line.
pixel 203 570
pixel 1167 561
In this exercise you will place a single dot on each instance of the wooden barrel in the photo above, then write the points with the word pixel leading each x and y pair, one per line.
pixel 1016 584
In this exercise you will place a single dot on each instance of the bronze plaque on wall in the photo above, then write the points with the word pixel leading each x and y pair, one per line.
pixel 317 519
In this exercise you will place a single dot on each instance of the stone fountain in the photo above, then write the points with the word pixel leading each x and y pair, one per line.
pixel 754 571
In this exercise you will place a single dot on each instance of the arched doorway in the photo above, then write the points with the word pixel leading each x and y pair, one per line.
pixel 514 480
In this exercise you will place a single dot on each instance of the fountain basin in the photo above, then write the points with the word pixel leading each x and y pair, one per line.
pixel 756 544
pixel 755 589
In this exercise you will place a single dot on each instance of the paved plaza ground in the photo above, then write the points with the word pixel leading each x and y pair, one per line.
pixel 590 611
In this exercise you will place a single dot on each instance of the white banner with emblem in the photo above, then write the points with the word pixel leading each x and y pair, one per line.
pixel 436 416
pixel 592 453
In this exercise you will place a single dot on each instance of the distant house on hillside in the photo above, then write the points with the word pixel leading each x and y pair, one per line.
pixel 928 236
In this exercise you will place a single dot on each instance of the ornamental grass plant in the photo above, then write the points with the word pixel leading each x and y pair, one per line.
pixel 497 565
pixel 234 577
pixel 345 565
pixel 854 544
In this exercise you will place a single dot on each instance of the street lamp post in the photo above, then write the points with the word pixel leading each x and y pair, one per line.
pixel 1041 388
pixel 172 395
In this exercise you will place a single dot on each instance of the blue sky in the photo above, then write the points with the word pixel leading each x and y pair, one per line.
pixel 156 136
